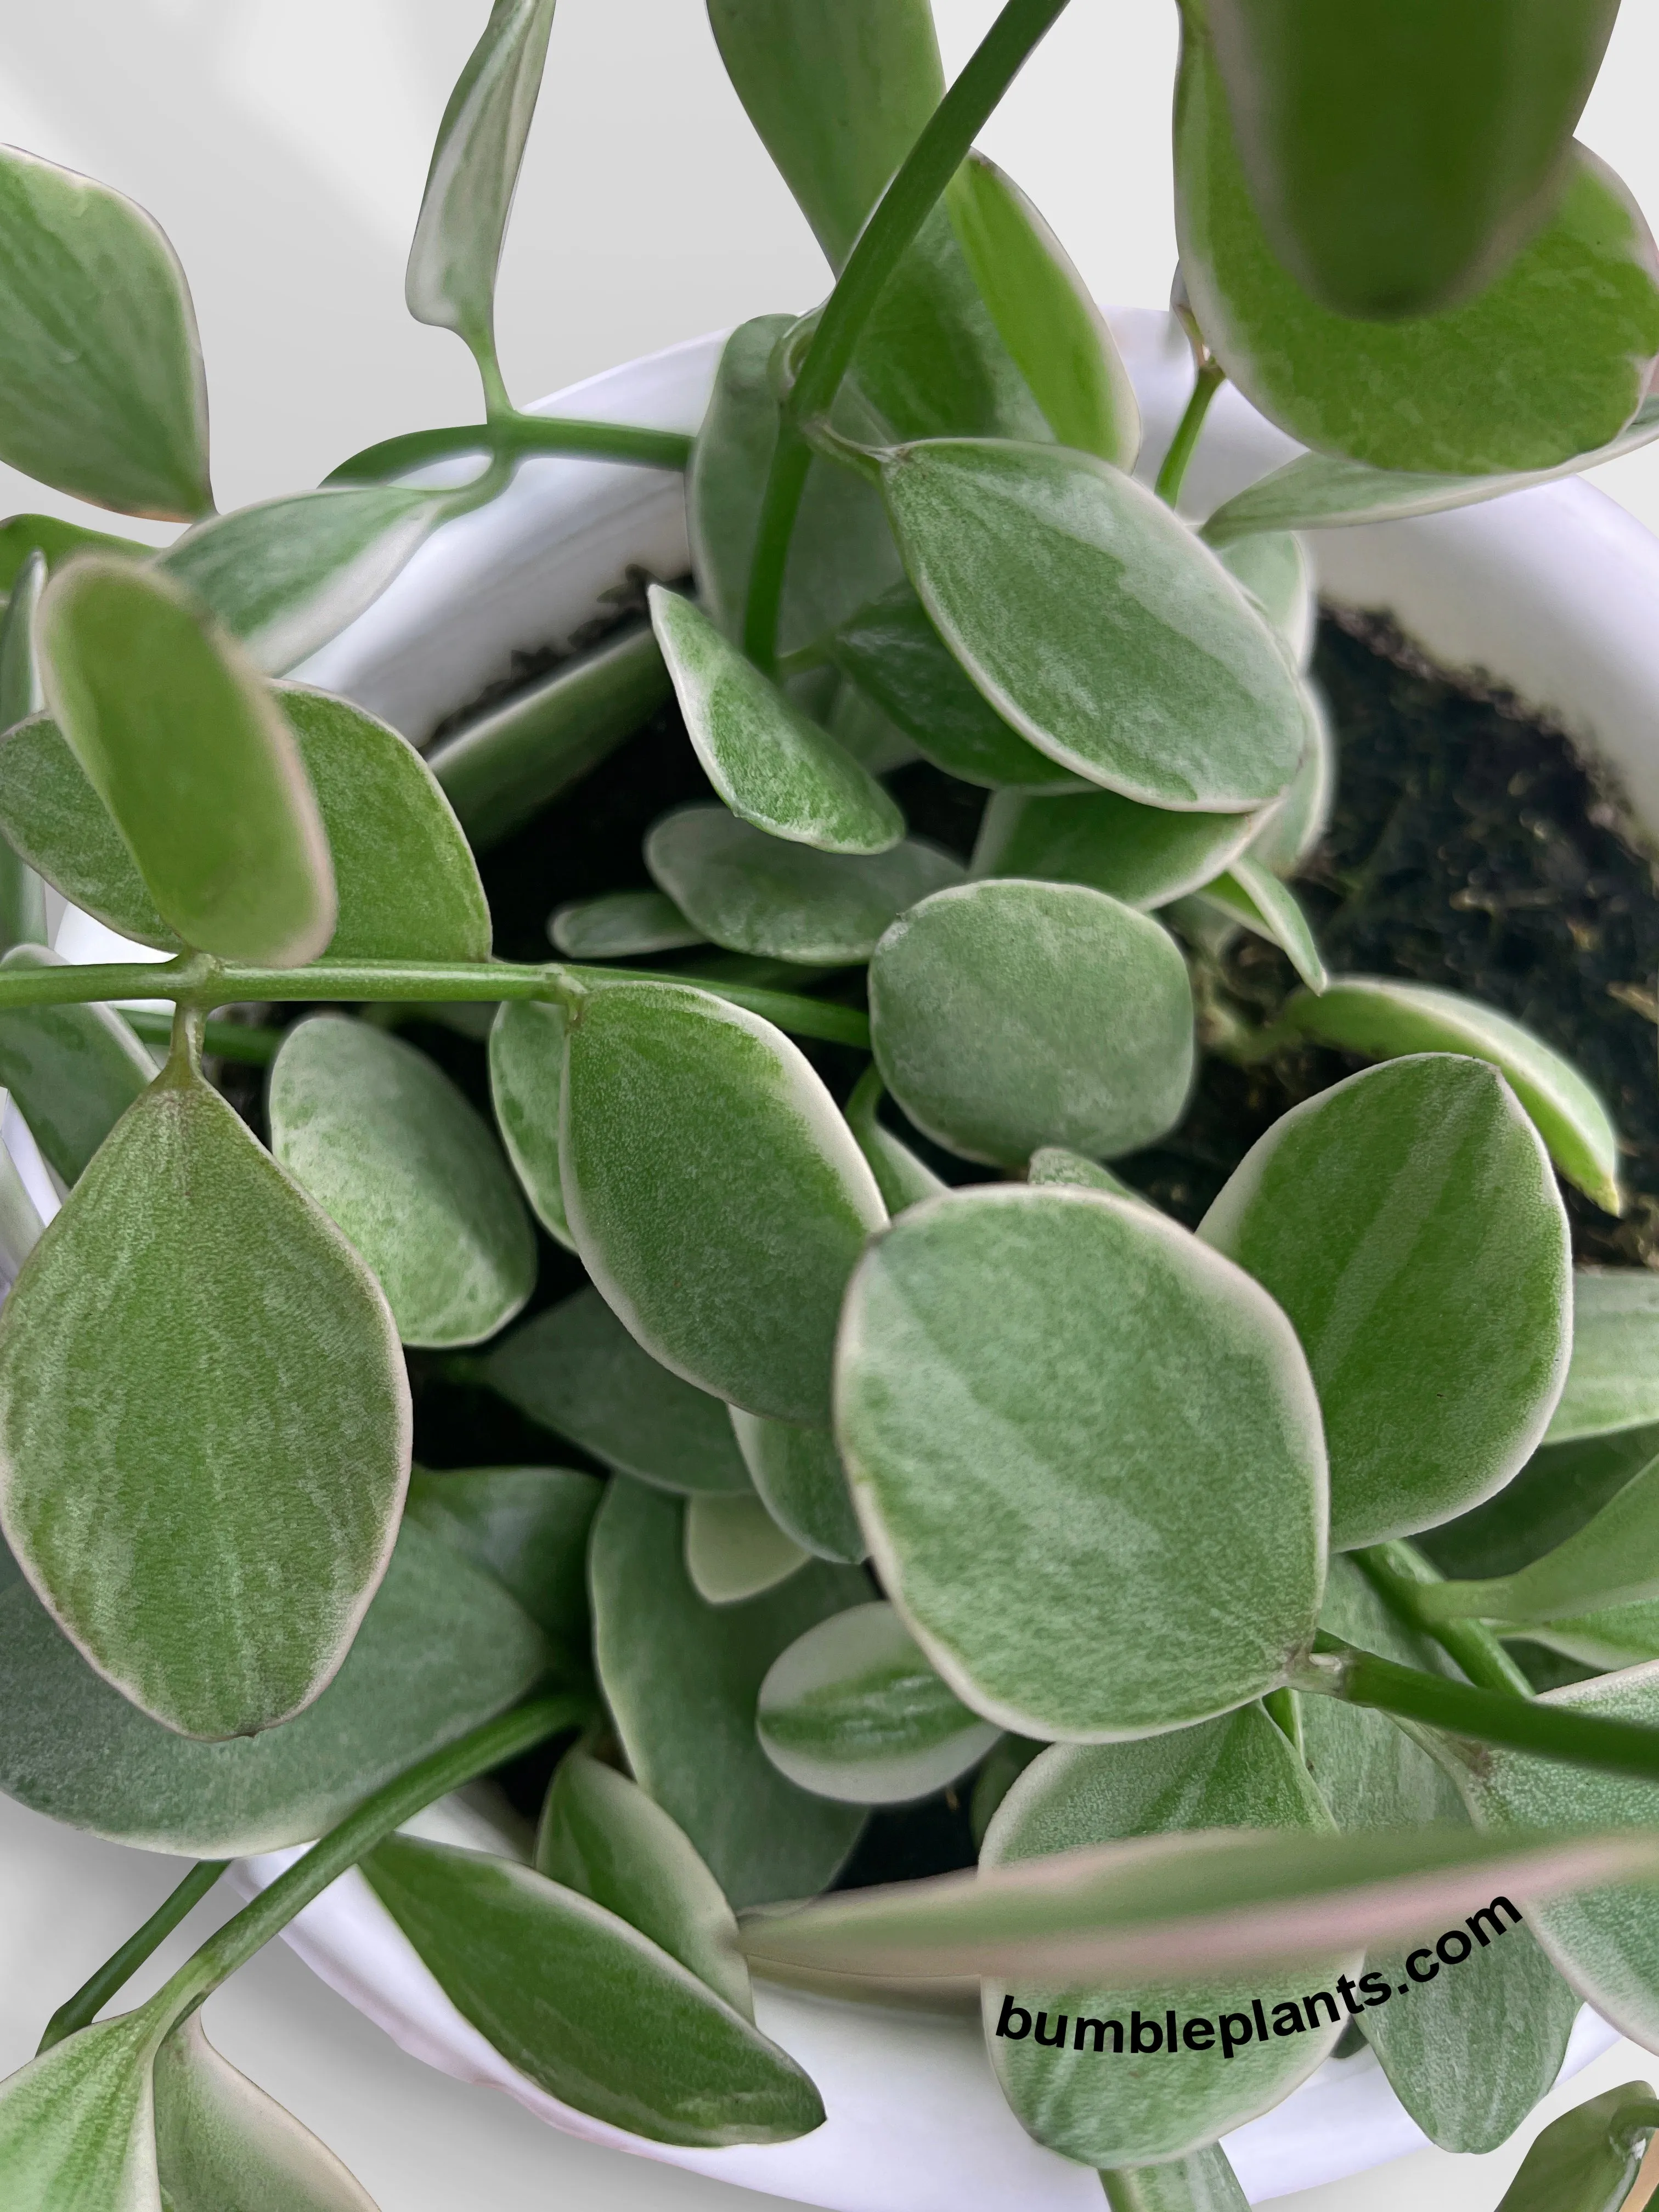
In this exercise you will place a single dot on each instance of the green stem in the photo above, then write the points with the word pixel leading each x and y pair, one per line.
pixel 905 207
pixel 237 1041
pixel 513 435
pixel 1397 1571
pixel 1210 379
pixel 89 1999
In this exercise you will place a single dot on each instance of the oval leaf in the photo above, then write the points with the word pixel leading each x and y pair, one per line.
pixel 73 1069
pixel 222 2141
pixel 76 2123
pixel 1144 855
pixel 621 926
pixel 526 1082
pixel 734 1549
pixel 1612 1381
pixel 1587 2160
pixel 799 1476
pixel 527 1525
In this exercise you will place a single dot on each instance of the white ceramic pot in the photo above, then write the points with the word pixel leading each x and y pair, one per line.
pixel 1553 594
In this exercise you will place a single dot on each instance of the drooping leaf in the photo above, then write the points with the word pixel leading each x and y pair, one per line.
pixel 1612 1382
pixel 1587 2160
pixel 681 1679
pixel 1249 893
pixel 1016 1361
pixel 767 761
pixel 1144 855
pixel 1174 691
pixel 76 2123
pixel 1382 1018
pixel 1094 2102
pixel 1203 2181
pixel 1613 1560
pixel 728 1259
pixel 221 2144
pixel 1408 1223
pixel 394 1155
pixel 441 1650
pixel 761 894
pixel 1273 569
pixel 526 1082
pixel 853 1711
pixel 100 364
pixel 529 1527
pixel 903 1179
pixel 585 2006
pixel 799 1476
pixel 576 1370
pixel 23 907
pixel 73 1069
pixel 734 1549
pixel 193 760
pixel 621 926
pixel 601 1836
pixel 204 1421
pixel 1007 1015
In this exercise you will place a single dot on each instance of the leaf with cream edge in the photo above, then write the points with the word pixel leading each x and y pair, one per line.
pixel 1293 828
pixel 1053 1163
pixel 204 1418
pixel 1239 1772
pixel 1175 692
pixel 73 1069
pixel 191 755
pixel 1144 855
pixel 853 1711
pixel 1613 1560
pixel 767 761
pixel 526 1526
pixel 1588 2159
pixel 1407 1222
pixel 734 1549
pixel 526 1082
pixel 1382 1018
pixel 395 1155
pixel 621 926
pixel 1274 570
pixel 716 1197
pixel 1015 1360
pixel 1203 2181
pixel 1005 1015
pixel 1249 893
pixel 1613 1380
pixel 220 2141
pixel 799 1478
pixel 100 363
pixel 77 2123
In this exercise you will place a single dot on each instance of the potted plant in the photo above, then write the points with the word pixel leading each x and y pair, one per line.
pixel 942 1463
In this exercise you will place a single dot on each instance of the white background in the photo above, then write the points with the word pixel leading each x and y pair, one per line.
pixel 283 144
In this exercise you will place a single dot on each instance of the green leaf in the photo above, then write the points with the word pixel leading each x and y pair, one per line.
pixel 1615 1636
pixel 23 535
pixel 621 926
pixel 1248 893
pixel 1053 1163
pixel 734 1549
pixel 457 248
pixel 194 761
pixel 54 817
pixel 1044 315
pixel 1549 360
pixel 526 1082
pixel 1144 855
pixel 601 1836
pixel 1380 1018
pixel 1612 1382
pixel 1613 1560
pixel 1294 827
pixel 1007 1015
pixel 727 1261
pixel 204 1421
pixel 757 894
pixel 528 1526
pixel 1203 2181
pixel 395 1156
pixel 1408 1223
pixel 1588 2159
pixel 853 1711
pixel 73 1069
pixel 76 2123
pixel 681 1679
pixel 585 2006
pixel 442 1648
pixel 901 1178
pixel 1106 2108
pixel 1004 1370
pixel 1174 691
pixel 890 652
pixel 100 365
pixel 799 1478
pixel 1273 569
pixel 21 1228
pixel 765 759
pixel 22 906
pixel 576 1370
pixel 1557 1492
pixel 220 2142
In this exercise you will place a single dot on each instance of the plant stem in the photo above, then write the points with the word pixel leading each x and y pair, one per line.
pixel 514 434
pixel 1397 1571
pixel 905 207
pixel 1209 380
pixel 89 1999
pixel 237 1041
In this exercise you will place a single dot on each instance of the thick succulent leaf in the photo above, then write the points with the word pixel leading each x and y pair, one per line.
pixel 621 926
pixel 76 2123
pixel 576 1370
pixel 1466 2088
pixel 1274 570
pixel 891 652
pixel 1587 2160
pixel 1144 855
pixel 1015 1361
pixel 1612 1381
pixel 441 1650
pixel 601 1836
pixel 853 1711
pixel 1408 1223
pixel 1249 893
pixel 1053 1163
pixel 100 364
pixel 192 758
pixel 1557 1492
pixel 903 1179
pixel 1613 1560
pixel 585 2006
pixel 767 761
pixel 221 2145
pixel 799 1478
pixel 1293 828
pixel 395 1156
pixel 779 901
pixel 1100 2105
pixel 73 1069
pixel 1549 360
pixel 1203 2181
pixel 1044 315
pixel 54 817
pixel 728 1258
pixel 681 1679
pixel 526 1082
pixel 204 1421
pixel 528 1526
pixel 1007 1015
pixel 734 1549
pixel 1382 1018
pixel 1175 690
